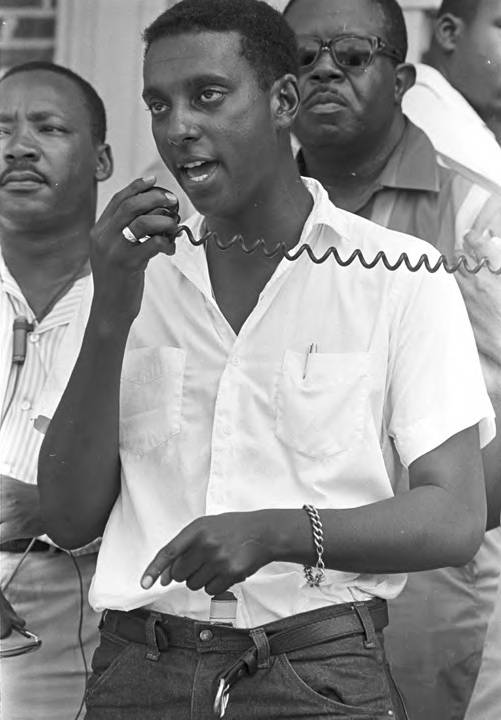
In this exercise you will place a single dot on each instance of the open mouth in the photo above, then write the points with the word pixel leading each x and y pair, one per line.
pixel 198 171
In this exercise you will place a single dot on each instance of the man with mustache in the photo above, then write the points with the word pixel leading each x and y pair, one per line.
pixel 52 155
pixel 373 161
pixel 230 413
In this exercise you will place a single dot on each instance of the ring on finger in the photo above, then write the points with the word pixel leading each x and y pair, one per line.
pixel 129 235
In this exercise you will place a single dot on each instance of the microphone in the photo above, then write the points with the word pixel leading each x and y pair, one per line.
pixel 20 329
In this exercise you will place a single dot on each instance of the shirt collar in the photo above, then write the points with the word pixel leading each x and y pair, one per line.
pixel 413 163
pixel 60 314
pixel 9 284
pixel 323 213
pixel 411 166
pixel 191 260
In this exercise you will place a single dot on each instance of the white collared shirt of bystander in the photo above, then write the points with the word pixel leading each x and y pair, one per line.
pixel 457 132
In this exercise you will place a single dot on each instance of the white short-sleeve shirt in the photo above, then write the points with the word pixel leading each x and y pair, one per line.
pixel 214 422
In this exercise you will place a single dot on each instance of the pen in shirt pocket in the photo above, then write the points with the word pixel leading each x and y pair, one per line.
pixel 309 351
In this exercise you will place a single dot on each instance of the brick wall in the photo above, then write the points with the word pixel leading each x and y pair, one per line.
pixel 27 31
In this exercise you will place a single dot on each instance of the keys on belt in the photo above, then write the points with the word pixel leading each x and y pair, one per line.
pixel 246 664
pixel 358 618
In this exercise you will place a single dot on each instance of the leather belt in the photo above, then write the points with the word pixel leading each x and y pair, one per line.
pixel 21 545
pixel 337 622
pixel 362 618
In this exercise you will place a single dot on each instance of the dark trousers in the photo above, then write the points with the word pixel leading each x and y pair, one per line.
pixel 170 671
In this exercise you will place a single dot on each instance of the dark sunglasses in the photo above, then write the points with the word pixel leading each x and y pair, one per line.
pixel 350 52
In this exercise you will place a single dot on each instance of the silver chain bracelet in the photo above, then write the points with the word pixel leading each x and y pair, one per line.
pixel 315 575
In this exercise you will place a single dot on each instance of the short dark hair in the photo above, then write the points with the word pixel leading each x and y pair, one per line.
pixel 93 102
pixel 396 29
pixel 268 43
pixel 464 9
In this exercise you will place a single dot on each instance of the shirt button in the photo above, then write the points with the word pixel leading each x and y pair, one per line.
pixel 227 430
pixel 206 635
pixel 34 338
pixel 235 361
pixel 26 405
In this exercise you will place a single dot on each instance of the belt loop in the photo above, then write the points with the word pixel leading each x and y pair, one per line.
pixel 152 651
pixel 365 618
pixel 260 640
pixel 103 620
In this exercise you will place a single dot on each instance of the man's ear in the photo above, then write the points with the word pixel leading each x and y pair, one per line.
pixel 284 100
pixel 405 77
pixel 104 162
pixel 447 31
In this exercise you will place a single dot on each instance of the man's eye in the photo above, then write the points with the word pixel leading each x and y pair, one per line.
pixel 4 132
pixel 211 95
pixel 157 108
pixel 52 129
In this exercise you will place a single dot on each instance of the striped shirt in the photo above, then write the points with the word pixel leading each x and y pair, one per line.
pixel 21 386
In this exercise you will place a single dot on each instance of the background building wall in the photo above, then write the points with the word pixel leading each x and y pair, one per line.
pixel 101 40
pixel 27 31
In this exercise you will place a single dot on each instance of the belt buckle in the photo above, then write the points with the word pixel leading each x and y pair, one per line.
pixel 222 697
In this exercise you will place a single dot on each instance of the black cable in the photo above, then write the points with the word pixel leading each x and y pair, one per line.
pixel 17 375
pixel 462 261
pixel 80 626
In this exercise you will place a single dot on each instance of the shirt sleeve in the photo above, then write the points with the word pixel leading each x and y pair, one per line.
pixel 435 386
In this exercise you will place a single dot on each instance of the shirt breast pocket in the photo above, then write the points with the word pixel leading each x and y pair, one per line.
pixel 151 394
pixel 323 413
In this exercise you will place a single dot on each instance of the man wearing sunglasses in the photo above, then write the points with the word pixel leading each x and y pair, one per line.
pixel 357 142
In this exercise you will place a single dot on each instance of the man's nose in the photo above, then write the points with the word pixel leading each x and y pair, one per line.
pixel 326 68
pixel 182 127
pixel 21 145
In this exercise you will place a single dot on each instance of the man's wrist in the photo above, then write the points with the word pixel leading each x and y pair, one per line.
pixel 105 325
pixel 289 535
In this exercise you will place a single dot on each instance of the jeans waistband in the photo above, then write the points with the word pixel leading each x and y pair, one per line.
pixel 143 626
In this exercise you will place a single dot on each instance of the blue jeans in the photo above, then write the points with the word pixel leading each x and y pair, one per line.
pixel 342 678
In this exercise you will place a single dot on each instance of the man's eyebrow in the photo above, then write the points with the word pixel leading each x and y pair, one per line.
pixel 197 80
pixel 35 116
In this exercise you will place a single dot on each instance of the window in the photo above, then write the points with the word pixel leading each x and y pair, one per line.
pixel 27 31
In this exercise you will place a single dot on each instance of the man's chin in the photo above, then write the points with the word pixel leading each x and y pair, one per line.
pixel 24 211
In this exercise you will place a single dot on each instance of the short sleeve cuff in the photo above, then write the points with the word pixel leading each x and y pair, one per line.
pixel 428 434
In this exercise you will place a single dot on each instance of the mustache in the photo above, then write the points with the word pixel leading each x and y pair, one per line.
pixel 18 167
pixel 327 91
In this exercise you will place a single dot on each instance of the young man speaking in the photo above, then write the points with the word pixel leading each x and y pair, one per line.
pixel 235 420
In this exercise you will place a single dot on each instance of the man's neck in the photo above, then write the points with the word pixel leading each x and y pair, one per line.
pixel 276 216
pixel 43 264
pixel 349 172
